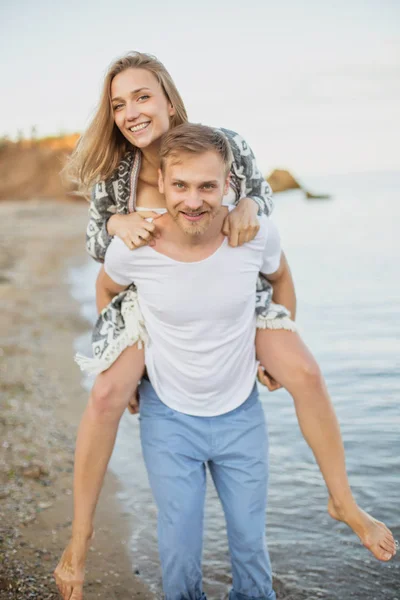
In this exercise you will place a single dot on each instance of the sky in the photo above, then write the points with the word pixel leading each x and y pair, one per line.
pixel 313 86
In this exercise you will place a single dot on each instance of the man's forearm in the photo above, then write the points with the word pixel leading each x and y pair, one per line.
pixel 106 290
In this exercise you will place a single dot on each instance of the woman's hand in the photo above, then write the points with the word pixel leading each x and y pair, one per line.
pixel 133 229
pixel 242 224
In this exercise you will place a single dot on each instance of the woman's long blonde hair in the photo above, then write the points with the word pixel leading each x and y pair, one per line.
pixel 102 146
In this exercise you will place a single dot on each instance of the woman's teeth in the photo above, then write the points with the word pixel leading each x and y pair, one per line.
pixel 139 127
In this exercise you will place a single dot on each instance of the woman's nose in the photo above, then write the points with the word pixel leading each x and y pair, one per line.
pixel 132 111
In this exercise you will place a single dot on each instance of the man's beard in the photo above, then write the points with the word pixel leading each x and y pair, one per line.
pixel 196 228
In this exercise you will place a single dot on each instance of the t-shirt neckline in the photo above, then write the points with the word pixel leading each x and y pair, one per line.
pixel 192 262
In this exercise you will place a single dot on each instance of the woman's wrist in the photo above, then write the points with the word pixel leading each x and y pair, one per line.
pixel 250 203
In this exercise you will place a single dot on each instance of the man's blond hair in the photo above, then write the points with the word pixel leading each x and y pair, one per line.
pixel 191 138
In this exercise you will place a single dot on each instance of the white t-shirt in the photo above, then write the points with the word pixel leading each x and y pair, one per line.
pixel 200 319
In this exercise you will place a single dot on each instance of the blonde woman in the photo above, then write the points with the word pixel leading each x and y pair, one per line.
pixel 118 156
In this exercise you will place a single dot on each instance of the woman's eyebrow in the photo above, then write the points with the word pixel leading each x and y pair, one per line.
pixel 132 93
pixel 140 90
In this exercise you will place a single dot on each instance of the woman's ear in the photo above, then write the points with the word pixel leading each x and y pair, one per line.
pixel 172 111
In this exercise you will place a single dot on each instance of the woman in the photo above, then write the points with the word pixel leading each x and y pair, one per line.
pixel 139 103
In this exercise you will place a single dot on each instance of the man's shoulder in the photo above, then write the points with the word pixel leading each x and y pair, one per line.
pixel 266 233
pixel 265 225
pixel 119 251
pixel 117 246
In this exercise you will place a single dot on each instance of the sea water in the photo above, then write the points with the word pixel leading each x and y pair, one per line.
pixel 345 258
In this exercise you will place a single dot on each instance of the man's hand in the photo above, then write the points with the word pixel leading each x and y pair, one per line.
pixel 133 405
pixel 242 225
pixel 267 380
pixel 133 229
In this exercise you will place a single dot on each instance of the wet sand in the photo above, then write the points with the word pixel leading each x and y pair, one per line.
pixel 41 403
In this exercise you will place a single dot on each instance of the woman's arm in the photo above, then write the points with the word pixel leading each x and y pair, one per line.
pixel 102 207
pixel 252 183
pixel 253 193
pixel 104 223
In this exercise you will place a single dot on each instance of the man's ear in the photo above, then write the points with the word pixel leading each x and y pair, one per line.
pixel 227 184
pixel 160 182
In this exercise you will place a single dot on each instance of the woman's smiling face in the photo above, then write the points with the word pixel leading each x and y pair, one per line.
pixel 141 109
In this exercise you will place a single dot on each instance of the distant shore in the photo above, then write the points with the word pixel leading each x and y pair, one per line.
pixel 41 403
pixel 31 169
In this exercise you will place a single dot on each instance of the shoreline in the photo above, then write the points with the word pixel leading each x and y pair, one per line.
pixel 42 400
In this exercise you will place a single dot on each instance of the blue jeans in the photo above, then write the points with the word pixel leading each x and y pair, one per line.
pixel 176 448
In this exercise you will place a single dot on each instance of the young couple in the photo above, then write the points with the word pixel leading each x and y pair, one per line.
pixel 202 305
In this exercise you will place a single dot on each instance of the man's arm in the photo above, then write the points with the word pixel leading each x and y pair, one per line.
pixel 106 289
pixel 282 282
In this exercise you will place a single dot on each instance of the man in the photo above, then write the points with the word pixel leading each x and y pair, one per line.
pixel 200 405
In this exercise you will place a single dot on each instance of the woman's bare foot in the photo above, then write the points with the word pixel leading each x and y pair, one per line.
pixel 373 534
pixel 70 571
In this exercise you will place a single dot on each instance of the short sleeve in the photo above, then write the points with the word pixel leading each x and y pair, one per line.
pixel 117 262
pixel 272 250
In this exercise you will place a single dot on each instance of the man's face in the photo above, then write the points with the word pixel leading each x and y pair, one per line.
pixel 194 185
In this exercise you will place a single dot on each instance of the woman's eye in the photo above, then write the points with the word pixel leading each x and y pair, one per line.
pixel 117 106
pixel 145 97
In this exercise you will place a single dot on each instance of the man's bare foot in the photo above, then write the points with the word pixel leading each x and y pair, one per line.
pixel 373 534
pixel 70 571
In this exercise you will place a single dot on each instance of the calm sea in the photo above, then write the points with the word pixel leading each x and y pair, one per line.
pixel 345 258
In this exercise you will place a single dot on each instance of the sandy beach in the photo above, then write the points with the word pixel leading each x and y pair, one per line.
pixel 41 403
pixel 42 400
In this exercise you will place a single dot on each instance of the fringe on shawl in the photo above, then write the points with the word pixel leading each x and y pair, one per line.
pixel 133 331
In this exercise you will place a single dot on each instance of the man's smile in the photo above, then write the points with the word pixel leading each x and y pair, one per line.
pixel 193 216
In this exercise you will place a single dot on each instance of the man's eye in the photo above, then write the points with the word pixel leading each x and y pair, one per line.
pixel 208 186
pixel 179 185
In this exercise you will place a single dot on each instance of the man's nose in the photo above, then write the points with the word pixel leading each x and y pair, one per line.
pixel 193 200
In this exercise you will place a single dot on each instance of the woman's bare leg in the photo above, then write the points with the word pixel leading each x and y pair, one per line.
pixel 111 393
pixel 287 359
